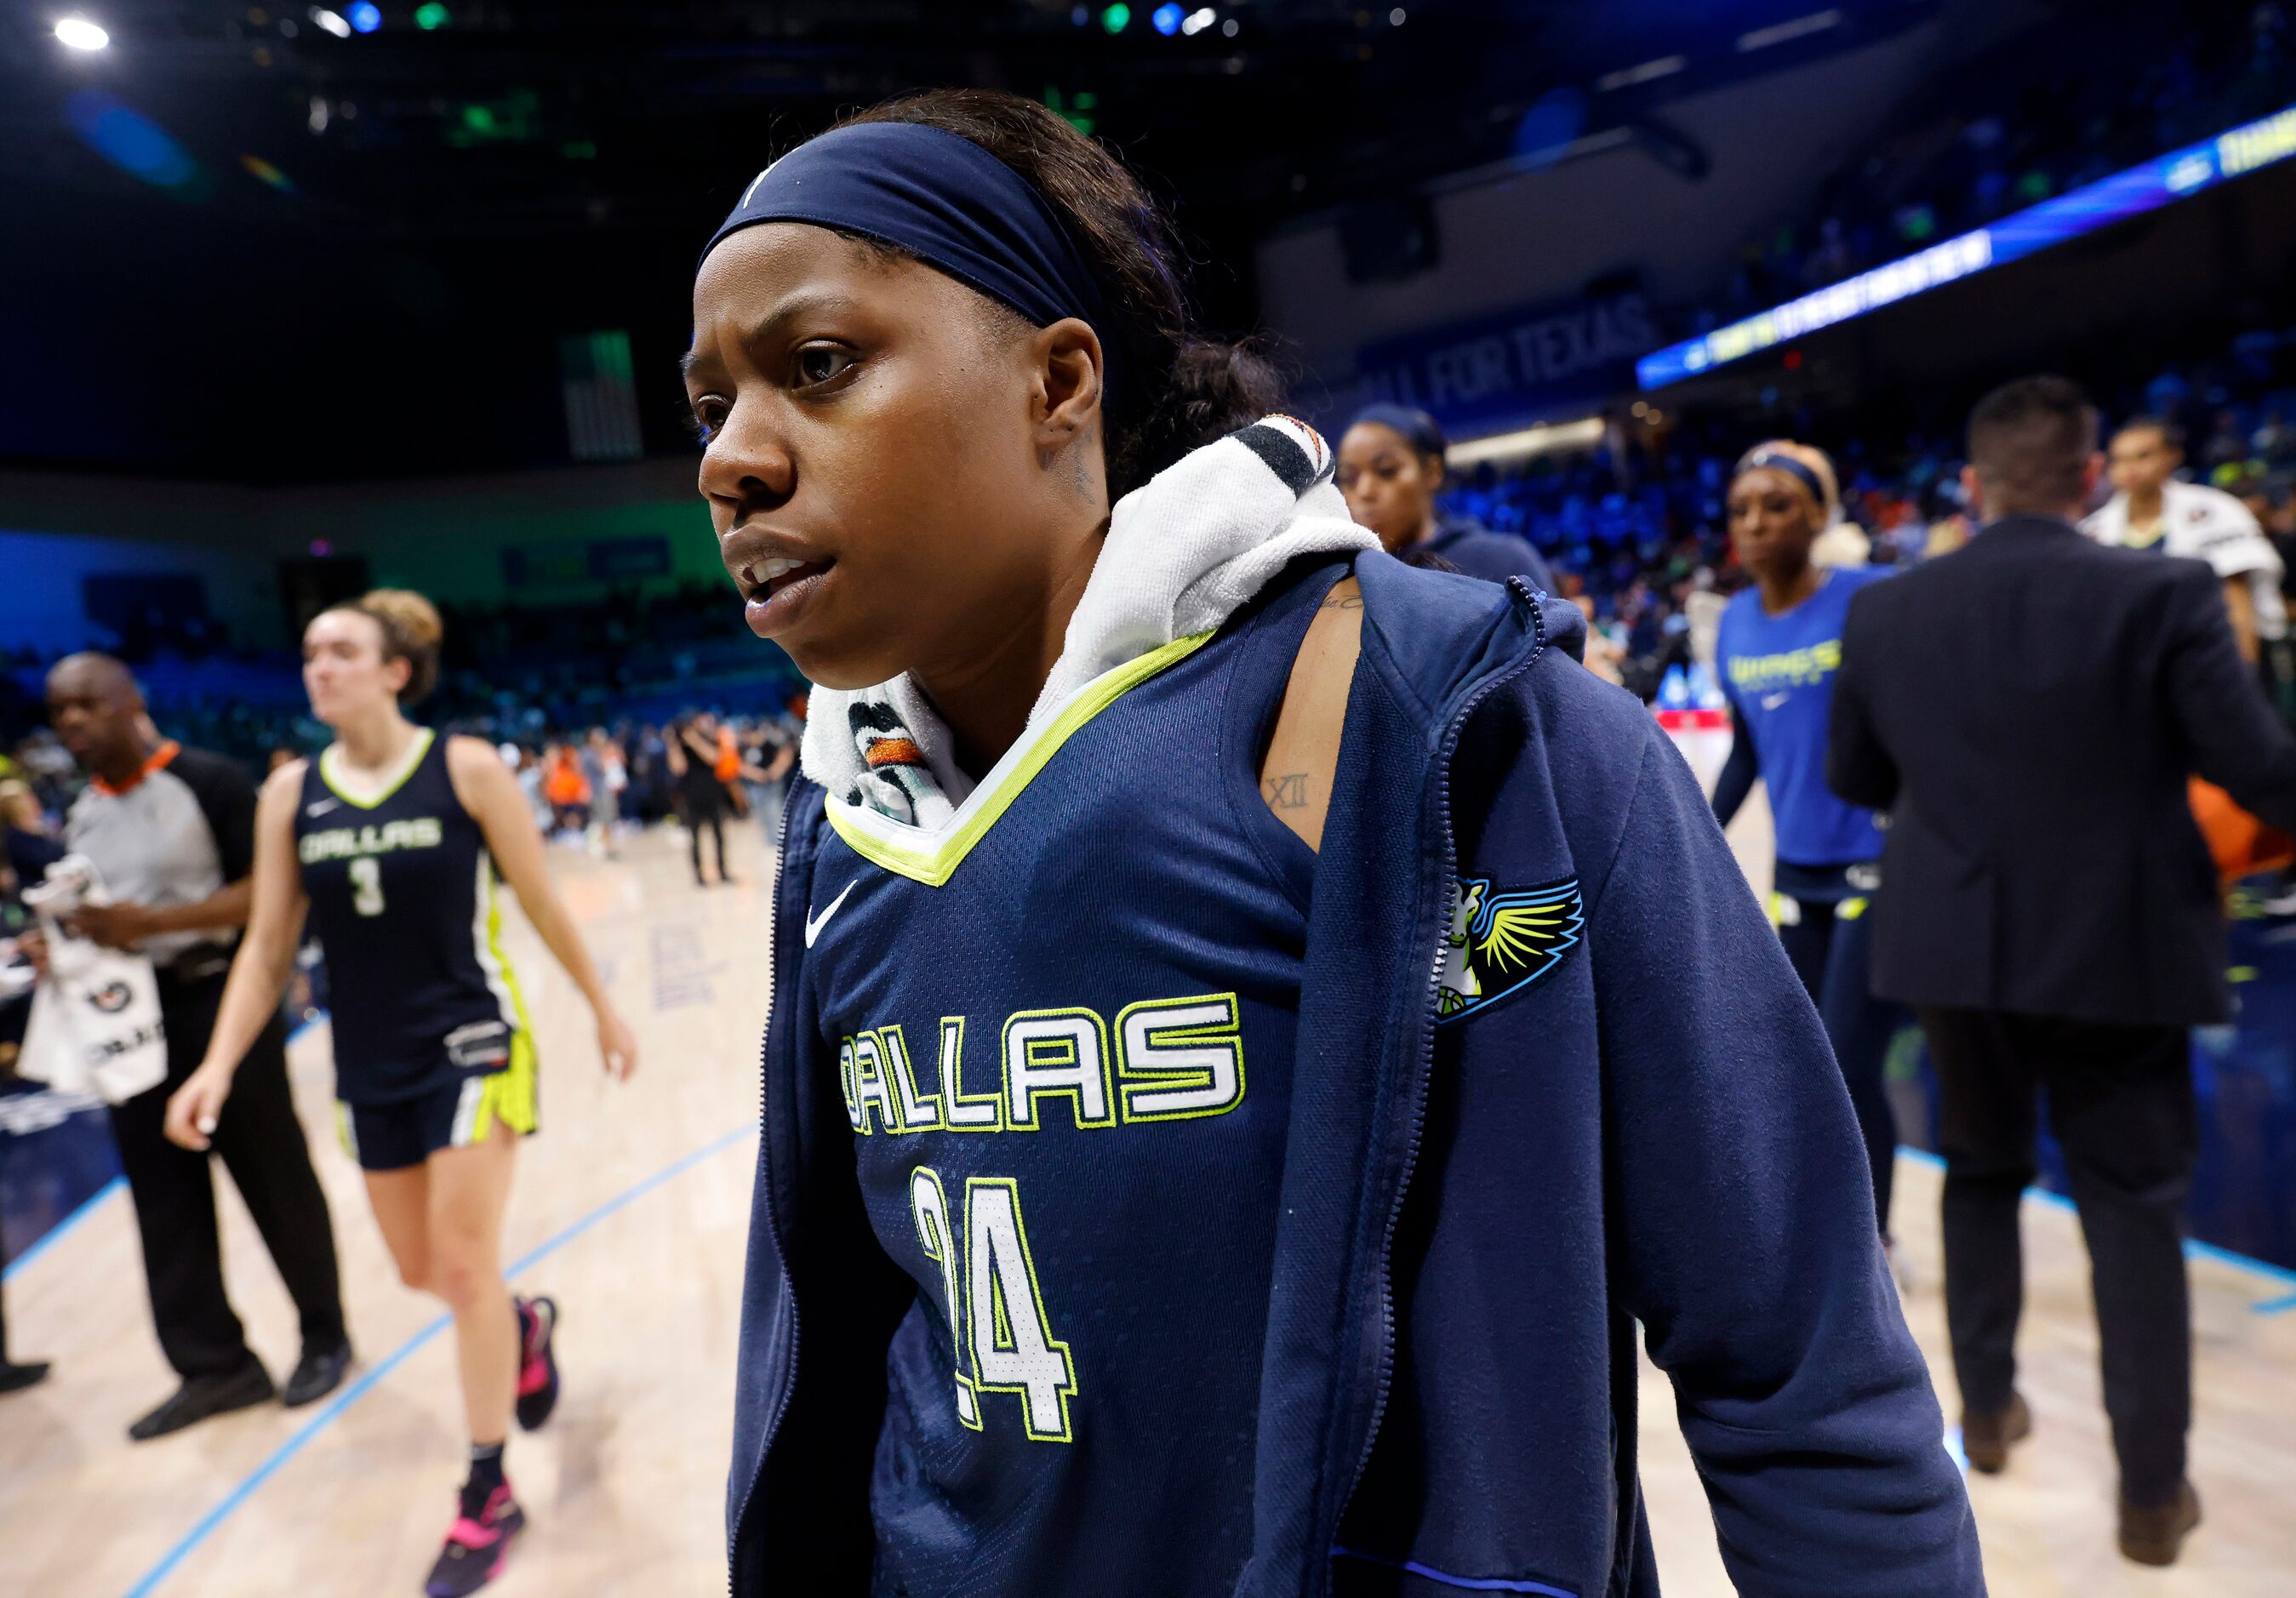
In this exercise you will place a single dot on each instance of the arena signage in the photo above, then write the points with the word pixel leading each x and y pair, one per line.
pixel 2083 211
pixel 1511 366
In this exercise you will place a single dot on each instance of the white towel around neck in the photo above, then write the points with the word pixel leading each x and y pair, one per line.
pixel 1184 552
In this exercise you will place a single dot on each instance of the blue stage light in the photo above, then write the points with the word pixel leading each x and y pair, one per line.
pixel 129 140
pixel 1168 18
pixel 363 16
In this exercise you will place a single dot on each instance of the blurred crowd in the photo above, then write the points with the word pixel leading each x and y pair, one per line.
pixel 1636 528
pixel 2016 127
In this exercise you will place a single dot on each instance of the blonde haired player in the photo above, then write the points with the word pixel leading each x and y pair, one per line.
pixel 391 840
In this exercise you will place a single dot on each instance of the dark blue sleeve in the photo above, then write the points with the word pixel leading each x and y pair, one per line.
pixel 1498 556
pixel 1744 1226
pixel 1738 772
pixel 1858 766
pixel 30 855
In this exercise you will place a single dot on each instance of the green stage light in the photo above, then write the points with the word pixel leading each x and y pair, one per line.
pixel 1116 17
pixel 433 17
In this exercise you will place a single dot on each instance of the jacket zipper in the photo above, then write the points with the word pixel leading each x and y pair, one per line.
pixel 1382 1271
pixel 773 1228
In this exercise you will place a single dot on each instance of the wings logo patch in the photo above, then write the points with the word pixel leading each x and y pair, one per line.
pixel 1502 942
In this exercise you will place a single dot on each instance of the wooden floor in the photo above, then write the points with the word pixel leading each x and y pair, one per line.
pixel 622 1489
pixel 639 1196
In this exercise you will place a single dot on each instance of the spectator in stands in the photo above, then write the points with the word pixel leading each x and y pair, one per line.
pixel 2151 509
pixel 2027 712
pixel 692 754
pixel 567 789
pixel 608 772
pixel 1390 469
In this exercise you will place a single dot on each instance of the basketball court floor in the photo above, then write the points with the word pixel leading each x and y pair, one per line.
pixel 631 1209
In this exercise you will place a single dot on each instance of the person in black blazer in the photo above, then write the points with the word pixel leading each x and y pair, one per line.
pixel 2026 711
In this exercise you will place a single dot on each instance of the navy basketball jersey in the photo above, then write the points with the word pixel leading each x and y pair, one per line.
pixel 402 892
pixel 1064 1026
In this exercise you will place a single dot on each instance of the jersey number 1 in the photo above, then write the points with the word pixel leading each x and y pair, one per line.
pixel 367 885
pixel 1004 1345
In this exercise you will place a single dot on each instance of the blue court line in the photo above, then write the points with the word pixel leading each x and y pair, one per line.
pixel 54 1234
pixel 238 1495
pixel 2193 1248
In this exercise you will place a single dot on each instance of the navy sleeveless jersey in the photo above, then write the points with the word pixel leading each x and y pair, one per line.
pixel 402 894
pixel 1068 1068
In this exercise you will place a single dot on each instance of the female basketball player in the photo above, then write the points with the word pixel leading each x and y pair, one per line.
pixel 1779 646
pixel 391 839
pixel 1205 1150
pixel 1390 469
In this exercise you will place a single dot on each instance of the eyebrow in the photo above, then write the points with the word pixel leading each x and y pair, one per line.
pixel 771 325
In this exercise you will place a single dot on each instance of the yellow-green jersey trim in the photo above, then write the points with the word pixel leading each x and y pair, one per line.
pixel 406 766
pixel 511 1094
pixel 933 857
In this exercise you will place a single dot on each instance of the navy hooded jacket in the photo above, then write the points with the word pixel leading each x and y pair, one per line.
pixel 1479 552
pixel 1652 1132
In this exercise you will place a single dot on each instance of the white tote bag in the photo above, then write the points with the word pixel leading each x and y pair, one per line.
pixel 94 1026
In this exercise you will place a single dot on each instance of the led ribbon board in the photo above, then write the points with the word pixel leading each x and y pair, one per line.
pixel 2083 211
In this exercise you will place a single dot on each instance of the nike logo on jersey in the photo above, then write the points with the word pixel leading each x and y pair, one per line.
pixel 814 925
pixel 1771 702
pixel 321 808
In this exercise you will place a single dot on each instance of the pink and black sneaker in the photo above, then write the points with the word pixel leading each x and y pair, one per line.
pixel 476 1545
pixel 538 1367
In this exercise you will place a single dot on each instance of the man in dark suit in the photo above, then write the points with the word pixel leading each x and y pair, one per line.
pixel 2027 711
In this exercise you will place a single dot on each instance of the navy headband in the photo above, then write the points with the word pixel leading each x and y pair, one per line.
pixel 950 203
pixel 1777 460
pixel 1422 431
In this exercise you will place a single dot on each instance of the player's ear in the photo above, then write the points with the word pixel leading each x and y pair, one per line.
pixel 1070 366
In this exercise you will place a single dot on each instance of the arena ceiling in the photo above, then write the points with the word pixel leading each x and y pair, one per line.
pixel 296 241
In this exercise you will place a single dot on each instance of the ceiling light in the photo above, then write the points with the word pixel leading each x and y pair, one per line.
pixel 1649 72
pixel 1198 20
pixel 1784 32
pixel 331 21
pixel 1546 438
pixel 77 33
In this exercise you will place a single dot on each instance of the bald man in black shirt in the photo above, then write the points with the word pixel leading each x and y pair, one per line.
pixel 172 831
